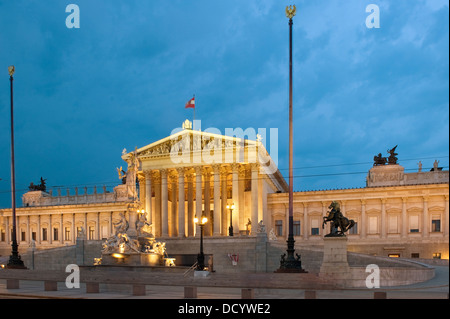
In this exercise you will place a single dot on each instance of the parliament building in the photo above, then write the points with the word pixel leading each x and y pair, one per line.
pixel 234 182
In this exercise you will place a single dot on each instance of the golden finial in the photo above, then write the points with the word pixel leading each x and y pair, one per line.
pixel 290 11
pixel 11 70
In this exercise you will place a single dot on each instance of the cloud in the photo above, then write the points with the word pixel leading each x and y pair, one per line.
pixel 122 79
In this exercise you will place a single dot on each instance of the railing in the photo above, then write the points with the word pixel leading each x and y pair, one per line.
pixel 190 269
pixel 81 196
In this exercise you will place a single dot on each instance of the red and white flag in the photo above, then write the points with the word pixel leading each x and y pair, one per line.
pixel 190 104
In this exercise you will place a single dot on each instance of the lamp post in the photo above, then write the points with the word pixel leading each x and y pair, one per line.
pixel 15 262
pixel 230 229
pixel 201 255
pixel 289 263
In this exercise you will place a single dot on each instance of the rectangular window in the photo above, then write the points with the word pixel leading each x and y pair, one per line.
pixel 315 227
pixel 414 224
pixel 33 235
pixel 354 229
pixel 279 227
pixel 105 231
pixel 393 225
pixel 3 236
pixel 436 225
pixel 79 230
pixel 297 229
pixel 373 225
pixel 44 234
pixel 415 255
pixel 91 232
pixel 66 233
pixel 23 236
pixel 55 233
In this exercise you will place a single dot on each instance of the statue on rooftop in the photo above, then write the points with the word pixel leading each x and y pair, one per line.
pixel 393 156
pixel 41 187
pixel 379 160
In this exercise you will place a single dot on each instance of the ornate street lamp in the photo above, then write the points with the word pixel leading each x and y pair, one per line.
pixel 201 255
pixel 230 229
pixel 290 263
pixel 15 262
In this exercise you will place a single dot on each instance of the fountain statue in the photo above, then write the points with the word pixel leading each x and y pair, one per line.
pixel 141 249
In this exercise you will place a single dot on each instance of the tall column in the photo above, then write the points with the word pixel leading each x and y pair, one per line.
pixel 217 206
pixel 181 204
pixel 61 230
pixel 425 223
pixel 156 211
pixel 99 237
pixel 111 230
pixel 242 186
pixel 254 211
pixel 363 219
pixel 38 232
pixel 7 230
pixel 173 229
pixel 207 202
pixel 86 230
pixel 148 197
pixel 235 195
pixel 225 211
pixel 50 229
pixel 383 218
pixel 326 230
pixel 190 206
pixel 446 217
pixel 74 234
pixel 305 221
pixel 28 238
pixel 164 204
pixel 404 232
pixel 198 195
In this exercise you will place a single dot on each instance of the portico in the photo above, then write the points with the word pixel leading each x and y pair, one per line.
pixel 193 173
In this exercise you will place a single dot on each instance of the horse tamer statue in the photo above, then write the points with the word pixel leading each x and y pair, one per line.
pixel 339 224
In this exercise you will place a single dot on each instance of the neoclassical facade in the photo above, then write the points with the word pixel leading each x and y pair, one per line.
pixel 193 174
pixel 186 175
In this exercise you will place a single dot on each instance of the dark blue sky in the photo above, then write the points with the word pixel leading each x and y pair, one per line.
pixel 121 80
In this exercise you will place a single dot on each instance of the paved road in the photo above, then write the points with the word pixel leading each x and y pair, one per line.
pixel 436 288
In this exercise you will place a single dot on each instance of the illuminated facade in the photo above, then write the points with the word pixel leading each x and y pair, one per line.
pixel 192 174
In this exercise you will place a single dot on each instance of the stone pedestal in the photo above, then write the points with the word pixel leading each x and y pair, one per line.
pixel 335 265
pixel 261 252
pixel 201 274
pixel 132 259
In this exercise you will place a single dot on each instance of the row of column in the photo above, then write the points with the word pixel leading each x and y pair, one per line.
pixel 426 222
pixel 51 220
pixel 183 198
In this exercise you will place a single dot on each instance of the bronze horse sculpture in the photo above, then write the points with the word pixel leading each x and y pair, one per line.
pixel 339 224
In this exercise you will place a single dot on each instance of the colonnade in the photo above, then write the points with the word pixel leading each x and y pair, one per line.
pixel 173 197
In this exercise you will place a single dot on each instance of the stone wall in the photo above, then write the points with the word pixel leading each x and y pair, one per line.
pixel 58 258
pixel 256 254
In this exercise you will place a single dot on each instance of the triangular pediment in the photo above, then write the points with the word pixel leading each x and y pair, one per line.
pixel 189 148
pixel 190 140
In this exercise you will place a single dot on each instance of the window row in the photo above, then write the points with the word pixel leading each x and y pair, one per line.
pixel 373 226
pixel 45 234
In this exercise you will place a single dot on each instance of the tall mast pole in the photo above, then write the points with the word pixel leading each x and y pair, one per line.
pixel 290 263
pixel 14 260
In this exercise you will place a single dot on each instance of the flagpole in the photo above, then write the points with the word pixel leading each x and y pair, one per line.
pixel 193 128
